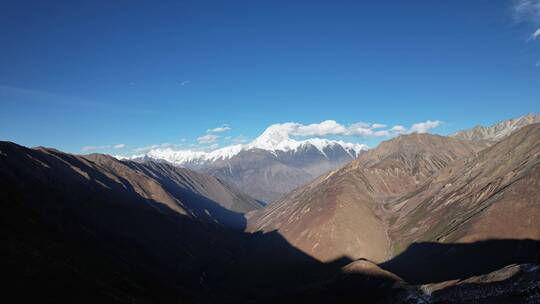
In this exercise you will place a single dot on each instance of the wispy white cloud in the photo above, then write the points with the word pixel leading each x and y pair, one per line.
pixel 359 129
pixel 240 139
pixel 535 35
pixel 223 128
pixel 156 146
pixel 24 96
pixel 527 11
pixel 327 127
pixel 207 139
pixel 185 82
pixel 398 129
pixel 424 127
pixel 94 148
pixel 105 147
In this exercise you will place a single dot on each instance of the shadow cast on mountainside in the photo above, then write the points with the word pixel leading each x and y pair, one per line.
pixel 430 262
pixel 200 206
pixel 74 232
pixel 88 237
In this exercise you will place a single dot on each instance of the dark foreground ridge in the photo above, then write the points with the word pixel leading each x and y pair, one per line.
pixel 430 262
pixel 95 229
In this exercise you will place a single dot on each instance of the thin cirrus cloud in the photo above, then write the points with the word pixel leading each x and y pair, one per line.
pixel 207 139
pixel 535 35
pixel 528 11
pixel 223 128
pixel 105 147
pixel 31 97
pixel 160 146
pixel 378 126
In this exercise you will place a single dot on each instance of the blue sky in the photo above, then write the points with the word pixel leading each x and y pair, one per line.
pixel 135 74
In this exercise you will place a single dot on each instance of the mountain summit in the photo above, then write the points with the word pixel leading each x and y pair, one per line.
pixel 268 167
pixel 273 140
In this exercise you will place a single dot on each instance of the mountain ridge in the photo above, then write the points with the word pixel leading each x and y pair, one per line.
pixel 498 130
pixel 155 231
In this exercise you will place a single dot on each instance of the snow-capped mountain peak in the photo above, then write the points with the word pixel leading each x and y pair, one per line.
pixel 274 139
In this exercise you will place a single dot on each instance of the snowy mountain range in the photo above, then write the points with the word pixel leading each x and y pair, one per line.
pixel 273 142
pixel 266 168
pixel 274 163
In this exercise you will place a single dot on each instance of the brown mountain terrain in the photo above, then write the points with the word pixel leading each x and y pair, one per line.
pixel 478 208
pixel 493 194
pixel 92 229
pixel 420 219
pixel 95 229
pixel 341 214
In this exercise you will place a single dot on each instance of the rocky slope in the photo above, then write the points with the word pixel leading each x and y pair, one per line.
pixel 493 194
pixel 499 130
pixel 341 214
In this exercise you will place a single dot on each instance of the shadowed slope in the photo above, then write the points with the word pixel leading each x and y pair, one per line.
pixel 423 263
pixel 82 229
pixel 182 181
pixel 89 229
